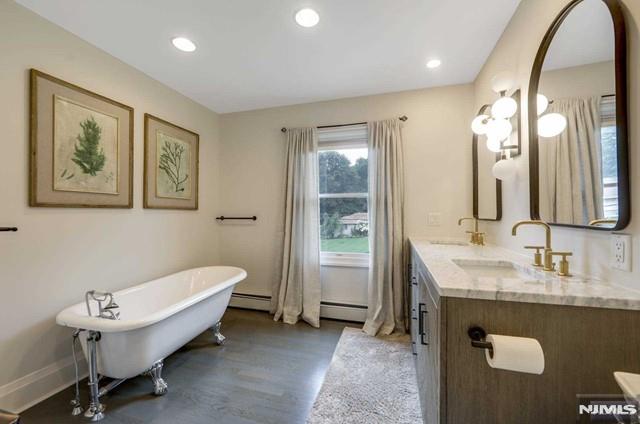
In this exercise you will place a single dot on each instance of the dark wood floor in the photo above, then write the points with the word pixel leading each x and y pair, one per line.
pixel 268 372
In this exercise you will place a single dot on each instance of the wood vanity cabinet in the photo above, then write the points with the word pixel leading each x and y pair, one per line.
pixel 425 339
pixel 583 346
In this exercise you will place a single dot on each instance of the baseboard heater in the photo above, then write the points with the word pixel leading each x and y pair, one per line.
pixel 333 310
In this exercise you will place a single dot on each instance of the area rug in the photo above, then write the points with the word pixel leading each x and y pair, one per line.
pixel 370 380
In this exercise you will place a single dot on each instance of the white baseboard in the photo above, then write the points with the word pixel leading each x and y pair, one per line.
pixel 343 312
pixel 327 310
pixel 26 391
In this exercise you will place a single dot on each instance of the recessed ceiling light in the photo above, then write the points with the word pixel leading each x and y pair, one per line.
pixel 433 63
pixel 307 18
pixel 183 44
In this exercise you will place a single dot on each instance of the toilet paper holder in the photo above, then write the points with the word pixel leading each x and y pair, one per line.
pixel 477 336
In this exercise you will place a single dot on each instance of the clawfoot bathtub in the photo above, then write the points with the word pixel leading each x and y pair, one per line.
pixel 155 319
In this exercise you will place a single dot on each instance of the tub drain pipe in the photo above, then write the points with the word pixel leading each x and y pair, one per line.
pixel 112 385
pixel 96 410
pixel 75 403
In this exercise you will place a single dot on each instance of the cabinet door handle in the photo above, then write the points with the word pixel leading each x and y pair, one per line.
pixel 422 312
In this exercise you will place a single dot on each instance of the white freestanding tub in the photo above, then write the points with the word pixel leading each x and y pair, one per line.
pixel 156 318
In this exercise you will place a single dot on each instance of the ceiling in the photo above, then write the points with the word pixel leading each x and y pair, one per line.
pixel 251 54
pixel 585 36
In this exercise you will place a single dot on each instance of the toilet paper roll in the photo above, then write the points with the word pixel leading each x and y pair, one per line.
pixel 519 354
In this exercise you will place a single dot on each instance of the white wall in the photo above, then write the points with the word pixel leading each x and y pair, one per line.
pixel 58 254
pixel 437 162
pixel 595 79
pixel 515 52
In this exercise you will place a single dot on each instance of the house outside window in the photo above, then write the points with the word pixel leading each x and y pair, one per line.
pixel 343 192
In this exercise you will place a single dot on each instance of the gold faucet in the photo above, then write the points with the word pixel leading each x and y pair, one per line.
pixel 477 237
pixel 603 221
pixel 537 257
pixel 563 270
pixel 548 257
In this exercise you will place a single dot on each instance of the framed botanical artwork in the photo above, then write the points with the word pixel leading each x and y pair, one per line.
pixel 81 152
pixel 170 165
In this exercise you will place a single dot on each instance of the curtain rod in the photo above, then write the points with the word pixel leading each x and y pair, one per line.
pixel 403 118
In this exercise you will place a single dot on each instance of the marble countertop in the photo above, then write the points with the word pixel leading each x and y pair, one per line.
pixel 537 286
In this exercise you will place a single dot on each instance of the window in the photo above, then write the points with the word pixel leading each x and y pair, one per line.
pixel 608 136
pixel 343 192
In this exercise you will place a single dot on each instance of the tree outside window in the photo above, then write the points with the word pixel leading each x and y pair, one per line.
pixel 344 221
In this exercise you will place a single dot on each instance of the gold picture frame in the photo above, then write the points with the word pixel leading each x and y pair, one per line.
pixel 171 165
pixel 81 147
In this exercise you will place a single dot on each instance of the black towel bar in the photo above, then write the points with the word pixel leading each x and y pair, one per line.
pixel 9 229
pixel 222 218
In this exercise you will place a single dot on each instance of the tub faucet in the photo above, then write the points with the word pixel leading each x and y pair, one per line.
pixel 548 257
pixel 109 310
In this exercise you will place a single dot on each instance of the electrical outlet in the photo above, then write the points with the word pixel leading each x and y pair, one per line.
pixel 621 252
pixel 434 219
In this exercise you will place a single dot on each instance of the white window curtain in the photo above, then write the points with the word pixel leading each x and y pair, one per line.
pixel 297 295
pixel 386 294
pixel 571 165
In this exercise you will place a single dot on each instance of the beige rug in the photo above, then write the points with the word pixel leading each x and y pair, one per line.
pixel 370 380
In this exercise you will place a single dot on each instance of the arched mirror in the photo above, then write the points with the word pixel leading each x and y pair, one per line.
pixel 578 146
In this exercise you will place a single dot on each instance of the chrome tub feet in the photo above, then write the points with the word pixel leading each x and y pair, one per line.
pixel 218 338
pixel 95 412
pixel 160 387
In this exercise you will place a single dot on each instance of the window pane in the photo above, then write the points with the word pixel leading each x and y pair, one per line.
pixel 609 152
pixel 609 170
pixel 344 225
pixel 343 171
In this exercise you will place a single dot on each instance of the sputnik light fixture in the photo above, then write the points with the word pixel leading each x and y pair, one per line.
pixel 497 126
pixel 549 124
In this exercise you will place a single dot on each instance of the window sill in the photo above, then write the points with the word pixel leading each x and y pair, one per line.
pixel 351 260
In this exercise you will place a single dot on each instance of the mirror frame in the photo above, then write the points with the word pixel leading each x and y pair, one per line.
pixel 624 196
pixel 474 159
pixel 517 96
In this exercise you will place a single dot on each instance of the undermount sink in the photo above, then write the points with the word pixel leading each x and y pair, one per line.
pixel 490 269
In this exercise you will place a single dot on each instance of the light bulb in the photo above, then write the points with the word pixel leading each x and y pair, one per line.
pixel 479 124
pixel 499 129
pixel 434 63
pixel 184 44
pixel 504 108
pixel 307 18
pixel 504 169
pixel 502 82
pixel 542 102
pixel 551 125
pixel 494 145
